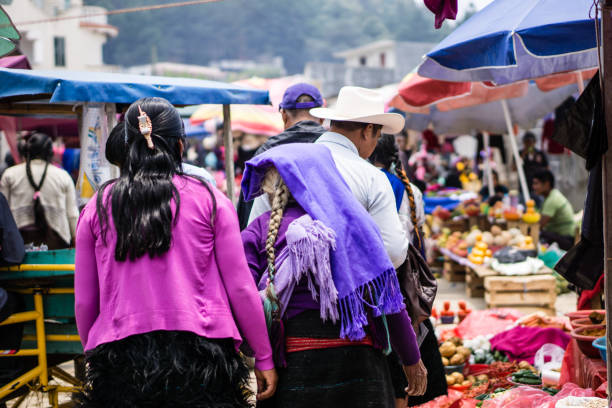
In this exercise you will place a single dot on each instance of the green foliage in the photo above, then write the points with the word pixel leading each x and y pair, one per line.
pixel 298 30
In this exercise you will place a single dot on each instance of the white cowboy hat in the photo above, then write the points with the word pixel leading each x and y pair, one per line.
pixel 362 105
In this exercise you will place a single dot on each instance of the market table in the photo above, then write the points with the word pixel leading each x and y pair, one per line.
pixel 534 292
pixel 579 369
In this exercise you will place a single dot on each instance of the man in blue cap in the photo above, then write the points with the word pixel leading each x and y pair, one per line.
pixel 300 127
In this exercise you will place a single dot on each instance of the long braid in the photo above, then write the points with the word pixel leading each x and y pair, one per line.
pixel 279 202
pixel 401 173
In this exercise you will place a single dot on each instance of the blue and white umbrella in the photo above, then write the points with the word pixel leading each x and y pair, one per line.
pixel 512 40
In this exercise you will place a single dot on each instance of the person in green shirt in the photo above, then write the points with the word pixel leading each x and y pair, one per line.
pixel 557 220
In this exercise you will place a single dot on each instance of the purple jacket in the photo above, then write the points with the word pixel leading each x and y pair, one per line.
pixel 254 236
pixel 201 285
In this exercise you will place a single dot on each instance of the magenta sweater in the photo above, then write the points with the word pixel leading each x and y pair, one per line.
pixel 202 284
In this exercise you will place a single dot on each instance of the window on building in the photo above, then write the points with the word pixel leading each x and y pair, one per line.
pixel 67 4
pixel 362 61
pixel 59 44
pixel 382 59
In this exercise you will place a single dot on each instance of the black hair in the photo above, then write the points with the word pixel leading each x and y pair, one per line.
pixel 294 113
pixel 116 146
pixel 387 154
pixel 141 197
pixel 9 159
pixel 37 146
pixel 545 176
pixel 351 126
pixel 529 135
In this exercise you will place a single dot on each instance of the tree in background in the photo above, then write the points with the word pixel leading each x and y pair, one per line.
pixel 298 31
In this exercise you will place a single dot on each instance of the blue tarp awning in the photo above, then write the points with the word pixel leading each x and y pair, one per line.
pixel 75 86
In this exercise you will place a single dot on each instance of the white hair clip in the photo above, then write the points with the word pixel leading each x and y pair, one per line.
pixel 145 127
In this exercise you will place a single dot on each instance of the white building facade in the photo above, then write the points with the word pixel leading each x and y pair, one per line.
pixel 73 43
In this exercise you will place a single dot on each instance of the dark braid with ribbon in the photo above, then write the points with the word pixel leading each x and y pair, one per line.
pixel 413 213
pixel 38 146
pixel 387 155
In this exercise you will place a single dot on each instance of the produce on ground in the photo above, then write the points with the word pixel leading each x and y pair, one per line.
pixel 527 377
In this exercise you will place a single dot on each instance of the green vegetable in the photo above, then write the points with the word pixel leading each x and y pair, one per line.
pixel 527 380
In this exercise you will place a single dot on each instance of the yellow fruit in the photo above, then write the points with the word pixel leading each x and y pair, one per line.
pixel 482 246
pixel 531 218
pixel 457 359
pixel 447 349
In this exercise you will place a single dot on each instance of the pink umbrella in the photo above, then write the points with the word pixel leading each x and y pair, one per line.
pixel 417 94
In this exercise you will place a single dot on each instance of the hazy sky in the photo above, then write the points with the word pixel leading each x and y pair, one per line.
pixel 463 5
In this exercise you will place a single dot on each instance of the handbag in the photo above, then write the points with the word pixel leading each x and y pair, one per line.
pixel 418 285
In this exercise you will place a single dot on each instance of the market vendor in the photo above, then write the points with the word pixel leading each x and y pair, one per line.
pixel 534 160
pixel 557 220
pixel 499 190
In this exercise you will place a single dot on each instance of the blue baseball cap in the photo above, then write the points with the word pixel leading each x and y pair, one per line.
pixel 295 91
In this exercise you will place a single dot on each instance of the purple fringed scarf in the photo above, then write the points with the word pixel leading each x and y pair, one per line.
pixel 361 269
pixel 308 250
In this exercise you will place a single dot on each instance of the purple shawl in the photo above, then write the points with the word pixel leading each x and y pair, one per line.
pixel 361 269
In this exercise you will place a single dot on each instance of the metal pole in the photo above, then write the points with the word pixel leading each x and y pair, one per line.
pixel 580 81
pixel 229 153
pixel 605 70
pixel 515 151
pixel 487 163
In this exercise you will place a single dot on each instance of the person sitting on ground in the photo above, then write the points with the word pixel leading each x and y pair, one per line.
pixel 300 127
pixel 42 196
pixel 557 220
pixel 499 190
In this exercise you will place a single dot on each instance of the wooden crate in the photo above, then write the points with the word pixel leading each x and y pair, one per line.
pixel 474 284
pixel 531 230
pixel 452 271
pixel 534 291
pixel 458 224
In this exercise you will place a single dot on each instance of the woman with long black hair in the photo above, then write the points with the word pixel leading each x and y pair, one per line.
pixel 409 202
pixel 41 196
pixel 163 291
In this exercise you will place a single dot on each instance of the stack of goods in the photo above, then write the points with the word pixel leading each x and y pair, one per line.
pixel 531 216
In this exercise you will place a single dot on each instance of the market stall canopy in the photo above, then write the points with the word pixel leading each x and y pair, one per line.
pixel 9 36
pixel 525 111
pixel 75 86
pixel 260 120
pixel 508 41
pixel 417 94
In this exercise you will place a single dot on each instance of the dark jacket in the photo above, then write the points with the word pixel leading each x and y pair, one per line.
pixel 12 250
pixel 306 131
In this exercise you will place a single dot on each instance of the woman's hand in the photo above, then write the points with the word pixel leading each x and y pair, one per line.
pixel 266 383
pixel 416 375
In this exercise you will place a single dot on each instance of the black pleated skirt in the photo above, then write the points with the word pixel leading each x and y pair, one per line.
pixel 353 376
pixel 166 369
pixel 436 377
